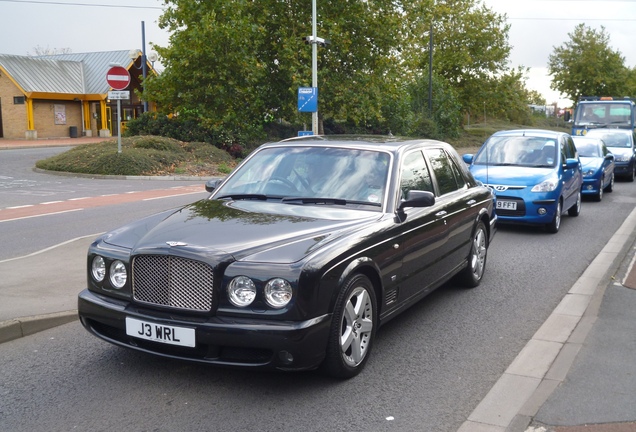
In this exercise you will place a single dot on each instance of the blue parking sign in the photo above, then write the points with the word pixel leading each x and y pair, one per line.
pixel 307 99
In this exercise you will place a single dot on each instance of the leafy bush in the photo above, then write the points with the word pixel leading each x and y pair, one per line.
pixel 141 155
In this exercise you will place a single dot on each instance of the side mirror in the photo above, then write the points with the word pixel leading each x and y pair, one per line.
pixel 417 198
pixel 609 156
pixel 212 184
pixel 468 158
pixel 571 163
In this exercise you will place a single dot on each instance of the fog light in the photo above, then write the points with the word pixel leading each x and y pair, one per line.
pixel 542 211
pixel 286 357
pixel 590 187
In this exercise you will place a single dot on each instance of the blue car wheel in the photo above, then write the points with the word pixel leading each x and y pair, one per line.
pixel 553 227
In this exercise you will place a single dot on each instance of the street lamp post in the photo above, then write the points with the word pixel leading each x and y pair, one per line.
pixel 314 65
pixel 144 68
pixel 134 53
pixel 430 71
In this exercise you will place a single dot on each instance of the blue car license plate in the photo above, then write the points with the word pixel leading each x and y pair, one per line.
pixel 506 205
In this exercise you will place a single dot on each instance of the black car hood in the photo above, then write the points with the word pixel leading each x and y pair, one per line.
pixel 247 230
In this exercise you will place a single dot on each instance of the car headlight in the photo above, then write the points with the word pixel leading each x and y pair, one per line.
pixel 98 268
pixel 278 292
pixel 241 291
pixel 546 186
pixel 622 158
pixel 589 173
pixel 118 274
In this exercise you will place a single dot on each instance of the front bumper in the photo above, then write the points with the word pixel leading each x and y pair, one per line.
pixel 591 186
pixel 225 341
pixel 623 168
pixel 527 211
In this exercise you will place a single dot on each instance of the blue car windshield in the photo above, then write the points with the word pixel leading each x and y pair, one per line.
pixel 526 151
pixel 315 175
pixel 588 149
pixel 612 139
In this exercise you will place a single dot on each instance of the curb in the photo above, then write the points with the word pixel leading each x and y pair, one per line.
pixel 20 327
pixel 543 363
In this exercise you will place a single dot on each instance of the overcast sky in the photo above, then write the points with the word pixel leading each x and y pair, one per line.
pixel 537 26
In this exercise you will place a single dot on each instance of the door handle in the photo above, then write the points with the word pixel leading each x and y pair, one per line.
pixel 441 213
pixel 471 202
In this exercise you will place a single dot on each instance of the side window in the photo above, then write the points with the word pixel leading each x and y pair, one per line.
pixel 459 178
pixel 572 152
pixel 564 151
pixel 443 169
pixel 415 175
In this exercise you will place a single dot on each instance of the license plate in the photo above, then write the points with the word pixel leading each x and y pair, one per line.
pixel 162 333
pixel 507 205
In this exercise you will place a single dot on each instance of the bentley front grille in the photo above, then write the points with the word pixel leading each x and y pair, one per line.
pixel 173 282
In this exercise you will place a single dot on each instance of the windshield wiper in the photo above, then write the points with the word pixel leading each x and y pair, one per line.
pixel 313 200
pixel 236 197
pixel 327 201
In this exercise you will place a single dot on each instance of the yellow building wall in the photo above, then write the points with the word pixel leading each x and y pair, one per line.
pixel 53 119
pixel 14 117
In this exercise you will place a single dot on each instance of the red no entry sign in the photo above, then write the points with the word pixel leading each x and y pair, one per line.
pixel 118 77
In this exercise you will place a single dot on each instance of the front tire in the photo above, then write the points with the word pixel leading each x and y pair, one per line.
pixel 575 210
pixel 353 327
pixel 471 276
pixel 553 227
pixel 599 195
pixel 610 186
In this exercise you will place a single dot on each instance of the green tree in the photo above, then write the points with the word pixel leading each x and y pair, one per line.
pixel 233 66
pixel 240 63
pixel 586 65
pixel 470 43
pixel 535 98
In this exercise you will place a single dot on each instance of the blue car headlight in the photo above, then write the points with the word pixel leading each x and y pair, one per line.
pixel 589 173
pixel 548 185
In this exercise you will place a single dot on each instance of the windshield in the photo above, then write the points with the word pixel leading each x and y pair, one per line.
pixel 603 113
pixel 524 151
pixel 612 139
pixel 588 148
pixel 312 175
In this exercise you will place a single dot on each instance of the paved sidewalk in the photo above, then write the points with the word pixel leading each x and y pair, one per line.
pixel 38 291
pixel 7 144
pixel 558 382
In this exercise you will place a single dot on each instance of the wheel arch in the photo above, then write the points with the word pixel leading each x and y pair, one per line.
pixel 367 267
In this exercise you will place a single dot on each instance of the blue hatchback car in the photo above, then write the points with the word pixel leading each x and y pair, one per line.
pixel 598 166
pixel 536 174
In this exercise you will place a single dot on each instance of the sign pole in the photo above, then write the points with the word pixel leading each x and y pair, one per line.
pixel 118 78
pixel 118 125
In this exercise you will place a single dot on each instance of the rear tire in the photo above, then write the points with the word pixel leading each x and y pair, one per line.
pixel 353 327
pixel 471 276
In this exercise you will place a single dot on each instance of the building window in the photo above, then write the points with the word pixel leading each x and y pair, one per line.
pixel 18 100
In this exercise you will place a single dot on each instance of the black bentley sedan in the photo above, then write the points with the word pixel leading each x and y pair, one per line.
pixel 296 258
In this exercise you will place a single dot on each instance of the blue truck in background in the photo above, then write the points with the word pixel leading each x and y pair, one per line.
pixel 593 112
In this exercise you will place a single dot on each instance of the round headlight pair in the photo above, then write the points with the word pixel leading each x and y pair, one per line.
pixel 118 274
pixel 242 292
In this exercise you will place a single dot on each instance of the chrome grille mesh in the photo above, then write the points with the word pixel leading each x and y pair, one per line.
pixel 173 281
